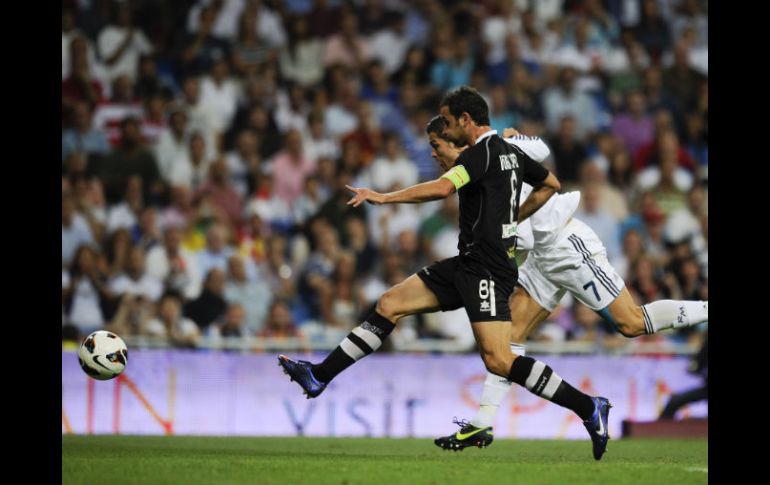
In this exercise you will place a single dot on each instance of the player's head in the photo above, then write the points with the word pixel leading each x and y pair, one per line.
pixel 461 109
pixel 442 150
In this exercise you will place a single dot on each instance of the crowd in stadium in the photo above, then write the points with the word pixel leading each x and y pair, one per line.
pixel 206 146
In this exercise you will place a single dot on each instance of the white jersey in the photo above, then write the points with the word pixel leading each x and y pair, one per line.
pixel 542 227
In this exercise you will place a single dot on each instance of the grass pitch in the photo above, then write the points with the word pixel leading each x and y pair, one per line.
pixel 193 460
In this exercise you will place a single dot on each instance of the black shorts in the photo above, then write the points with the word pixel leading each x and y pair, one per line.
pixel 458 282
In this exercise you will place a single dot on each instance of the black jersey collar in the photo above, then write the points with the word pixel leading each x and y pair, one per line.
pixel 486 134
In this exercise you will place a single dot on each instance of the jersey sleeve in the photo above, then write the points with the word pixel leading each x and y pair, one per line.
pixel 534 173
pixel 469 167
pixel 458 176
pixel 533 146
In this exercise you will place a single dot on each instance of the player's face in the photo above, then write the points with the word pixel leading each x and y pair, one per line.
pixel 454 131
pixel 443 151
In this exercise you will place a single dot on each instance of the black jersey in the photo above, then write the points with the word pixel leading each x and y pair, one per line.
pixel 489 202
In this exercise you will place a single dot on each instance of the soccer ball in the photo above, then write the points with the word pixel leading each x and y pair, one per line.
pixel 103 355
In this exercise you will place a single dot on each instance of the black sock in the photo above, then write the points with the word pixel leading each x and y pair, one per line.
pixel 542 381
pixel 362 341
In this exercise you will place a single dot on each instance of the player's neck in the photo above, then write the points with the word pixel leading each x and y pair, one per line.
pixel 476 131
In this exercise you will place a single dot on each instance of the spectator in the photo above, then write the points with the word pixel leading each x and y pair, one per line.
pixel 342 301
pixel 391 167
pixel 309 202
pixel 646 285
pixel 243 161
pixel 347 47
pixel 81 84
pixel 169 323
pixel 681 79
pixel 121 44
pixel 131 158
pixel 135 280
pixel 202 46
pixel 151 83
pixel 599 219
pixel 290 168
pixel 279 324
pixel 219 95
pixel 172 144
pixel 232 324
pixel 634 126
pixel 292 109
pixel 217 251
pixel 210 304
pixel 500 116
pixel 301 58
pixel 565 99
pixel 191 168
pixel 125 214
pixel 87 298
pixel 633 249
pixel 75 231
pixel 668 182
pixel 69 32
pixel 118 252
pixel 567 151
pixel 316 143
pixel 453 69
pixel 176 267
pixel 221 192
pixel 390 44
pixel 653 31
pixel 82 137
pixel 270 207
pixel 611 199
pixel 252 294
pixel 249 50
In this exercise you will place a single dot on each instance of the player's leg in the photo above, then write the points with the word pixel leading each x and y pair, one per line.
pixel 492 330
pixel 526 315
pixel 429 290
pixel 590 277
pixel 406 298
pixel 679 400
pixel 533 299
pixel 633 320
pixel 534 375
pixel 493 342
pixel 539 379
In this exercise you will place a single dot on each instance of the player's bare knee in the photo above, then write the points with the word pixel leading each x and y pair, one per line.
pixel 519 333
pixel 387 306
pixel 496 363
pixel 631 326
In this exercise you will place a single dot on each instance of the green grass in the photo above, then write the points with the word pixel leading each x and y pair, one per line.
pixel 349 461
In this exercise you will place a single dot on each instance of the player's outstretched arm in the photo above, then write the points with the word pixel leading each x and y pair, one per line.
pixel 539 196
pixel 533 146
pixel 424 192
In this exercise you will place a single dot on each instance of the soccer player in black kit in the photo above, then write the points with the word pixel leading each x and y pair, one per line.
pixel 487 177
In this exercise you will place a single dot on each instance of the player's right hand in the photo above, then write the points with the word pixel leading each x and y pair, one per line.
pixel 363 195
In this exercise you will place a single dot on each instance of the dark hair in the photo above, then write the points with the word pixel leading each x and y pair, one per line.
pixel 467 100
pixel 129 120
pixel 436 125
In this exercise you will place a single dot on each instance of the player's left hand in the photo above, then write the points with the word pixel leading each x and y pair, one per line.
pixel 363 195
pixel 510 132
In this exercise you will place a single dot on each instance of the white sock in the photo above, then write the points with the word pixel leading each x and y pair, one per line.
pixel 663 314
pixel 495 390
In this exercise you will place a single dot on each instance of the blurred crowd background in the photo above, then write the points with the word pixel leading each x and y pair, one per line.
pixel 206 145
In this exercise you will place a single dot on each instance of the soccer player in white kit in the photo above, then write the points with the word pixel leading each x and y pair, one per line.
pixel 565 256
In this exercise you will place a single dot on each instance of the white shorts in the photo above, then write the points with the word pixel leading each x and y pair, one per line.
pixel 575 262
